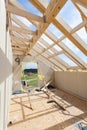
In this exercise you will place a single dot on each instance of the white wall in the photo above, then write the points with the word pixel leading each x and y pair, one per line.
pixel 5 68
pixel 45 70
pixel 16 75
pixel 73 82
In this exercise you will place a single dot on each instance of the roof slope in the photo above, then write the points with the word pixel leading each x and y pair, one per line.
pixel 52 30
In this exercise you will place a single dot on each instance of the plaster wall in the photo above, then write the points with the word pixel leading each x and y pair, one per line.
pixel 5 68
pixel 73 82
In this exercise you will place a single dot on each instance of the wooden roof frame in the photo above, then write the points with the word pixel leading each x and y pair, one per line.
pixel 42 24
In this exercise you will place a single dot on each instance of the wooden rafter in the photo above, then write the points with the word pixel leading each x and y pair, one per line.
pixel 81 12
pixel 72 31
pixel 28 15
pixel 54 55
pixel 69 36
pixel 38 5
pixel 73 57
pixel 24 31
pixel 22 44
pixel 49 60
pixel 50 13
pixel 82 2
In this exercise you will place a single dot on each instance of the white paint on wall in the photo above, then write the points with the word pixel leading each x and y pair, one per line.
pixel 73 82
pixel 5 68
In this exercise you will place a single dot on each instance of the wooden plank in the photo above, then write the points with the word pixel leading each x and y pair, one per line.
pixel 62 62
pixel 79 26
pixel 81 2
pixel 21 39
pixel 48 60
pixel 44 42
pixel 28 15
pixel 69 36
pixel 67 52
pixel 17 21
pixel 17 48
pixel 20 30
pixel 38 5
pixel 17 4
pixel 46 49
pixel 48 63
pixel 58 63
pixel 58 53
pixel 53 11
pixel 18 45
pixel 78 59
pixel 81 12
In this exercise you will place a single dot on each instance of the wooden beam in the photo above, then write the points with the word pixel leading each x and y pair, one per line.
pixel 67 51
pixel 17 4
pixel 82 2
pixel 58 63
pixel 62 62
pixel 79 27
pixel 81 12
pixel 58 53
pixel 38 5
pixel 18 22
pixel 16 40
pixel 17 52
pixel 19 45
pixel 71 53
pixel 17 48
pixel 44 42
pixel 21 39
pixel 69 36
pixel 20 30
pixel 48 60
pixel 46 49
pixel 53 8
pixel 28 15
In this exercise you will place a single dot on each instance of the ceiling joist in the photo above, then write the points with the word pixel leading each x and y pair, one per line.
pixel 28 15
pixel 25 40
pixel 69 36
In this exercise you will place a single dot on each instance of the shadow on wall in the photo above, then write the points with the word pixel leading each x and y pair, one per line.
pixel 5 67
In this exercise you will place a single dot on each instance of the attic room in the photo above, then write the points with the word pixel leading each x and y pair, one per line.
pixel 43 64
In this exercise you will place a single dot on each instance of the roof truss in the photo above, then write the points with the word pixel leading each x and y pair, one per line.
pixel 25 40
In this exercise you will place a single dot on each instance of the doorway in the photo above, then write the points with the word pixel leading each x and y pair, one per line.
pixel 29 74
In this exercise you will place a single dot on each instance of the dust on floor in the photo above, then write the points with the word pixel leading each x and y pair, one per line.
pixel 46 116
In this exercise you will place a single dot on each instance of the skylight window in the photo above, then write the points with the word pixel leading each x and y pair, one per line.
pixel 38 49
pixel 44 54
pixel 84 10
pixel 42 44
pixel 51 51
pixel 71 46
pixel 57 48
pixel 82 33
pixel 44 2
pixel 49 41
pixel 70 14
pixel 29 7
pixel 54 30
pixel 17 34
pixel 14 24
pixel 67 60
pixel 26 22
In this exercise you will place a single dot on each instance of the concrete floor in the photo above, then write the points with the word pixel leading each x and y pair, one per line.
pixel 46 116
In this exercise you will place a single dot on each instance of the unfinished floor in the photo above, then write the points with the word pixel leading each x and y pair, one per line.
pixel 46 116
